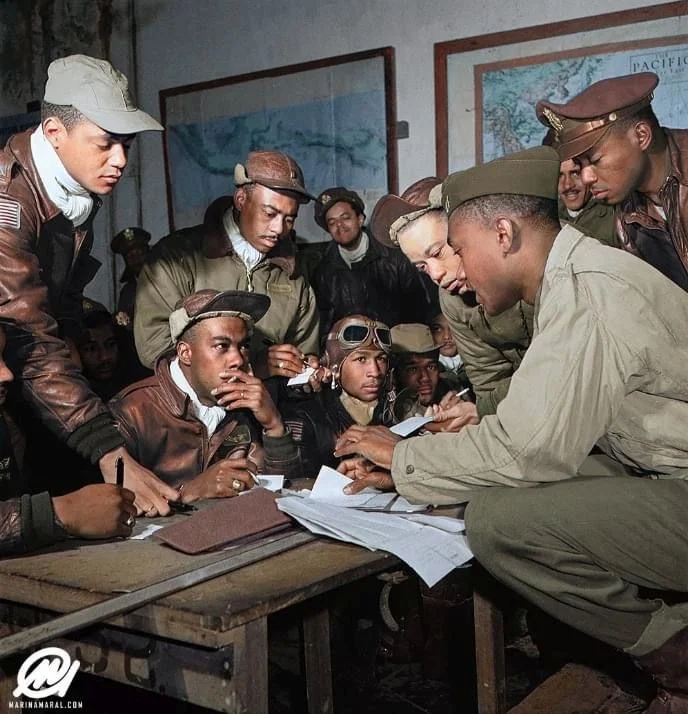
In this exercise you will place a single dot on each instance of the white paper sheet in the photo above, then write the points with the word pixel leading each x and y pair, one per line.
pixel 329 487
pixel 408 426
pixel 431 552
pixel 272 482
pixel 301 378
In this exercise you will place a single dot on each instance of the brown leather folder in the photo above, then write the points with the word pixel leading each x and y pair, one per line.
pixel 230 522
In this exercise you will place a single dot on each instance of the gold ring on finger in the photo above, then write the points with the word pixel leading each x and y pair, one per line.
pixel 237 485
pixel 280 364
pixel 130 522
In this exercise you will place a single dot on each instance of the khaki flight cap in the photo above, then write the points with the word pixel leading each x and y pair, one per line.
pixel 533 172
pixel 580 123
pixel 99 92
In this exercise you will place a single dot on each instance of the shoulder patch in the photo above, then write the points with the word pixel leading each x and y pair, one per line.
pixel 10 213
pixel 295 428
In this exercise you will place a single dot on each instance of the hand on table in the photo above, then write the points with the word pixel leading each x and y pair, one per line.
pixel 151 494
pixel 364 474
pixel 223 479
pixel 100 510
pixel 375 443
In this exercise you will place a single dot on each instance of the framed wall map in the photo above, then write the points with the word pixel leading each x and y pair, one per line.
pixel 335 116
pixel 486 87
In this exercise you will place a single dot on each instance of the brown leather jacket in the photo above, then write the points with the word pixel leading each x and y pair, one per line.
pixel 44 266
pixel 663 245
pixel 163 434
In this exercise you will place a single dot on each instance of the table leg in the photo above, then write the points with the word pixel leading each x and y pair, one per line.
pixel 317 659
pixel 489 655
pixel 252 668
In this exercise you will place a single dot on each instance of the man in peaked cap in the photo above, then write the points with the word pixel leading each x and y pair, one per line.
pixel 357 274
pixel 628 160
pixel 133 245
pixel 50 179
pixel 240 245
pixel 608 365
pixel 491 345
pixel 204 423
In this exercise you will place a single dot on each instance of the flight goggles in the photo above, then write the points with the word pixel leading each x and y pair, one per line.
pixel 357 333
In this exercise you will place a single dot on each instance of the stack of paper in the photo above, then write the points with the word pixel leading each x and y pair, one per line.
pixel 432 545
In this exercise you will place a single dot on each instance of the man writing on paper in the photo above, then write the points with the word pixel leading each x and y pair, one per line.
pixel 197 423
pixel 608 365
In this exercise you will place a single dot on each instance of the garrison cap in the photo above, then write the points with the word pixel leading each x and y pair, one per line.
pixel 580 123
pixel 533 172
pixel 250 307
pixel 275 170
pixel 333 195
pixel 413 339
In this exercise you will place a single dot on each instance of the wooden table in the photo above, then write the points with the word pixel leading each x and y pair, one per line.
pixel 207 644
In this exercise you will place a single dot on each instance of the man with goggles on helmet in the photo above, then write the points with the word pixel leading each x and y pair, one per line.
pixel 357 355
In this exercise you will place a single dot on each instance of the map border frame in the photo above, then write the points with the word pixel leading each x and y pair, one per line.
pixel 273 75
pixel 514 38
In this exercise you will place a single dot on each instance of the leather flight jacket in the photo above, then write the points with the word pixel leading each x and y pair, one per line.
pixel 45 263
pixel 164 435
pixel 662 244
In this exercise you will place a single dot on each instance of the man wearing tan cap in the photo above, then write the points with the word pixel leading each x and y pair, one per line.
pixel 492 346
pixel 608 366
pixel 240 246
pixel 629 161
pixel 49 178
pixel 204 423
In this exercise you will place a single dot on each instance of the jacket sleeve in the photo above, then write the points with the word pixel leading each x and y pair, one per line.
pixel 561 401
pixel 28 523
pixel 164 279
pixel 50 381
pixel 488 370
pixel 304 435
pixel 282 456
pixel 303 332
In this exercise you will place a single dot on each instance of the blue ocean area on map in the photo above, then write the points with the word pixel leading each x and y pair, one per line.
pixel 339 141
pixel 510 94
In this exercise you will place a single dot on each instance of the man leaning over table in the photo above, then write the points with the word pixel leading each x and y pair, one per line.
pixel 50 180
pixel 608 365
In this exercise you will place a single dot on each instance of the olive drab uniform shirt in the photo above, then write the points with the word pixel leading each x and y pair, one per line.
pixel 492 346
pixel 595 220
pixel 202 257
pixel 608 365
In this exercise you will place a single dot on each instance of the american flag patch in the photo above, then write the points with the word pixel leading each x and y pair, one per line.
pixel 296 429
pixel 10 213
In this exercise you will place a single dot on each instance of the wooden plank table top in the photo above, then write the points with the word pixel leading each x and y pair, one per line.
pixel 75 574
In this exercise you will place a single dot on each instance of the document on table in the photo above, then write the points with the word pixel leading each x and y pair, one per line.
pixel 431 551
pixel 329 488
pixel 408 426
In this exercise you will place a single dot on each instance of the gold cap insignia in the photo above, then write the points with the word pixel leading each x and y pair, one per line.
pixel 553 120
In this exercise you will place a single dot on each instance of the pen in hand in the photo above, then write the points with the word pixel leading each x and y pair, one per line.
pixel 119 470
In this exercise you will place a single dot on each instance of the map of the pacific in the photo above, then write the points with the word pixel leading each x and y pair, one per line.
pixel 509 95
